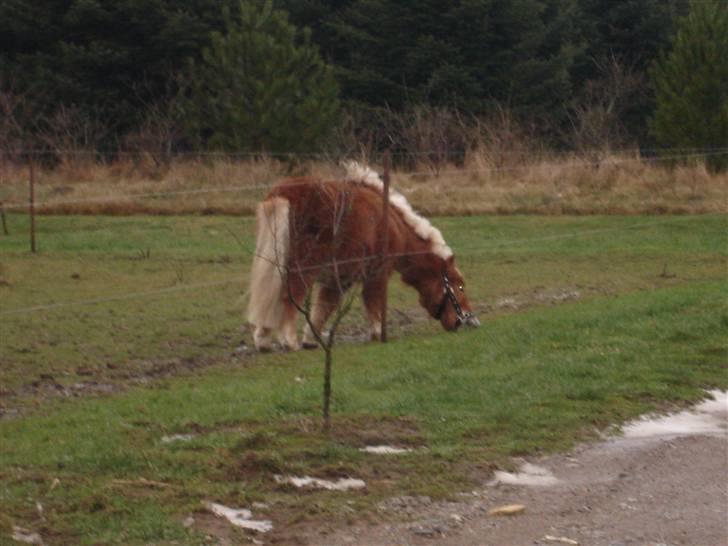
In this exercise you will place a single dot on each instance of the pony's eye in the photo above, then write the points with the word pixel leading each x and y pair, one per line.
pixel 462 288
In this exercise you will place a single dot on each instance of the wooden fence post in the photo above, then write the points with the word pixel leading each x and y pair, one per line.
pixel 2 214
pixel 386 160
pixel 31 204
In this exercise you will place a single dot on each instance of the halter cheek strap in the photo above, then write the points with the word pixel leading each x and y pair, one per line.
pixel 449 294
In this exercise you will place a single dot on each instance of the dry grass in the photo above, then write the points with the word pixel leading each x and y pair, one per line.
pixel 568 185
pixel 487 183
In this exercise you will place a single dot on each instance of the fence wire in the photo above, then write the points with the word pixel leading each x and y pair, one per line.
pixel 409 174
pixel 435 152
pixel 490 246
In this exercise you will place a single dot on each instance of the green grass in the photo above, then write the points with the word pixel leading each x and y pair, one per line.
pixel 531 382
pixel 187 277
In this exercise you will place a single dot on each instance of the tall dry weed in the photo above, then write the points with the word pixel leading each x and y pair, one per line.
pixel 622 184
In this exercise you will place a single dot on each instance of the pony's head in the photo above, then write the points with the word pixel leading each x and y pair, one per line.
pixel 445 298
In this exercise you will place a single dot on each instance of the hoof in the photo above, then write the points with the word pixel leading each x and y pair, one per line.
pixel 310 346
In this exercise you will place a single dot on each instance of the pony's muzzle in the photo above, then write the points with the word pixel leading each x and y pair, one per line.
pixel 471 322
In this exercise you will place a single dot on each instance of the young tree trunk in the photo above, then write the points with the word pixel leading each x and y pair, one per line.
pixel 327 389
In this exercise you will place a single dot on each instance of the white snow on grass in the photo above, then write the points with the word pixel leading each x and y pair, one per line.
pixel 240 517
pixel 528 474
pixel 25 536
pixel 343 484
pixel 177 438
pixel 385 450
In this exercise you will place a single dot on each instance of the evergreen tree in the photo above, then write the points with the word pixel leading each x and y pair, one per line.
pixel 629 34
pixel 468 54
pixel 109 59
pixel 691 84
pixel 261 86
pixel 631 31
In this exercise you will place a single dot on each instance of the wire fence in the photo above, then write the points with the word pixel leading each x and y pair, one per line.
pixel 237 188
pixel 246 154
pixel 490 246
pixel 685 153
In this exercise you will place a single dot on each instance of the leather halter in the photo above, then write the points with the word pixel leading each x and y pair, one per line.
pixel 449 294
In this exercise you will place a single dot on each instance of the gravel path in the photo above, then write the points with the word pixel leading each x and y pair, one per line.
pixel 664 482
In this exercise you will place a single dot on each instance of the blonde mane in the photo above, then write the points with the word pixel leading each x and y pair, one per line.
pixel 362 174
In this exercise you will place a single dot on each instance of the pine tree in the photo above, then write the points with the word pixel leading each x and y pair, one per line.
pixel 109 59
pixel 261 86
pixel 469 54
pixel 691 84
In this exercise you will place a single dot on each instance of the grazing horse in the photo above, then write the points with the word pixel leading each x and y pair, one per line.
pixel 325 236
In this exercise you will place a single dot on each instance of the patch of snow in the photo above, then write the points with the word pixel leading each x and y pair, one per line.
pixel 240 518
pixel 177 438
pixel 708 418
pixel 562 540
pixel 343 484
pixel 385 450
pixel 25 536
pixel 529 474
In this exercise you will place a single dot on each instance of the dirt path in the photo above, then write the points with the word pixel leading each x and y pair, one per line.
pixel 665 482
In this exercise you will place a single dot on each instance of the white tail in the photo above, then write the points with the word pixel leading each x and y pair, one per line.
pixel 266 306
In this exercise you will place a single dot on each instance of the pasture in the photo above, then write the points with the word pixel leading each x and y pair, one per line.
pixel 122 331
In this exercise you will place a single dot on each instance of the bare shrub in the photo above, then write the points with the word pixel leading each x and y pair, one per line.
pixel 501 141
pixel 364 132
pixel 71 135
pixel 152 145
pixel 326 339
pixel 596 115
pixel 420 136
pixel 16 113
pixel 434 137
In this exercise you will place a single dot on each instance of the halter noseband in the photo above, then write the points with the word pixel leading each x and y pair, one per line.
pixel 449 294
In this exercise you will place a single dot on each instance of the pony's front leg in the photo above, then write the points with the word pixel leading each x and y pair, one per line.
pixel 287 336
pixel 324 301
pixel 373 295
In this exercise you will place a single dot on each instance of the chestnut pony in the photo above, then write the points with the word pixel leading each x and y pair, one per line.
pixel 327 235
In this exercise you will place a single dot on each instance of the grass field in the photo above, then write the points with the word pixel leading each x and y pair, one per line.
pixel 121 331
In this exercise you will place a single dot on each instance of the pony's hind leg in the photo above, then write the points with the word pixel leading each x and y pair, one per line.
pixel 263 339
pixel 294 293
pixel 324 300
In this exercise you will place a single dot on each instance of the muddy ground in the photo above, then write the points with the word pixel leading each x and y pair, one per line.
pixel 117 377
pixel 665 482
